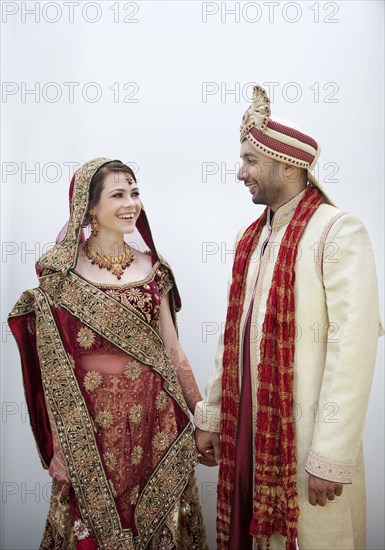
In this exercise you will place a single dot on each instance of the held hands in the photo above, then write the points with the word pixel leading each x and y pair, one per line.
pixel 209 447
pixel 321 490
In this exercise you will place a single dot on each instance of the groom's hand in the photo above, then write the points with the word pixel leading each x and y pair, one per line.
pixel 209 447
pixel 321 490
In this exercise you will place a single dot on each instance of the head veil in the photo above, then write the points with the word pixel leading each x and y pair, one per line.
pixel 63 256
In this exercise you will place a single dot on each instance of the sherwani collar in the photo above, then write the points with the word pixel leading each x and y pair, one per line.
pixel 284 213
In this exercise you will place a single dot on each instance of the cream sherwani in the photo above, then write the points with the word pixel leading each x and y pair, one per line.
pixel 337 320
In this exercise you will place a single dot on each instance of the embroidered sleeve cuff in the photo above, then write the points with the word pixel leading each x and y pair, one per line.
pixel 207 417
pixel 331 469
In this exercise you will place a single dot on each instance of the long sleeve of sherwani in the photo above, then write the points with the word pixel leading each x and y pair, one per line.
pixel 350 283
pixel 208 412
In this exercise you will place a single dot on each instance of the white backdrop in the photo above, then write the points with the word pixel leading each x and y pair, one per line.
pixel 163 86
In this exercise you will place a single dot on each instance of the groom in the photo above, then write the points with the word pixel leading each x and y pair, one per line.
pixel 285 406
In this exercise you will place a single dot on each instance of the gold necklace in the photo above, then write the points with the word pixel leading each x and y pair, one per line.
pixel 115 264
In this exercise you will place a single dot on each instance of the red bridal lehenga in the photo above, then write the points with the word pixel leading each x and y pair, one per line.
pixel 106 407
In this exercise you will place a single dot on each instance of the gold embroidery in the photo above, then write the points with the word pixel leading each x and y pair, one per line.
pixel 164 280
pixel 24 305
pixel 105 419
pixel 136 455
pixel 84 460
pixel 110 460
pixel 72 416
pixel 134 494
pixel 93 492
pixel 136 413
pixel 93 380
pixel 112 487
pixel 134 294
pixel 122 327
pixel 173 481
pixel 86 338
pixel 141 302
pixel 58 532
pixel 160 441
pixel 161 401
pixel 133 370
pixel 62 256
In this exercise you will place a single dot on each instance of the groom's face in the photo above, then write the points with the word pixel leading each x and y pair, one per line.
pixel 261 175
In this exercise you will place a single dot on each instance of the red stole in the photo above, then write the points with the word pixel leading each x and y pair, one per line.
pixel 275 502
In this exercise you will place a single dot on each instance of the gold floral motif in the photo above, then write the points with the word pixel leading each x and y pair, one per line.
pixel 160 441
pixel 136 413
pixel 105 419
pixel 134 294
pixel 134 495
pixel 133 370
pixel 101 315
pixel 84 461
pixel 98 506
pixel 54 379
pixel 86 338
pixel 72 417
pixel 93 380
pixel 137 454
pixel 166 541
pixel 110 460
pixel 136 300
pixel 161 401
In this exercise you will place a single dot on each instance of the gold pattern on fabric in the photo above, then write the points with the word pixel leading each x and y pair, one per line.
pixel 160 441
pixel 63 255
pixel 133 370
pixel 24 305
pixel 136 413
pixel 118 324
pixel 93 380
pixel 164 281
pixel 76 435
pixel 134 494
pixel 77 441
pixel 85 338
pixel 178 532
pixel 161 401
pixel 58 532
pixel 137 455
pixel 110 460
pixel 160 497
pixel 105 419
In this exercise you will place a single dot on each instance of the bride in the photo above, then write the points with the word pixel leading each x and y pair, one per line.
pixel 108 386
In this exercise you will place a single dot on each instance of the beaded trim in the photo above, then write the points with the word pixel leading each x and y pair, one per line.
pixel 278 156
pixel 331 469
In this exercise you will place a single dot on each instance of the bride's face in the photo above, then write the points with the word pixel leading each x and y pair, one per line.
pixel 119 205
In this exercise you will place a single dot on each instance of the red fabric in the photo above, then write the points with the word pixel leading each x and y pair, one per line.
pixel 117 394
pixel 242 498
pixel 86 544
pixel 275 498
pixel 292 132
pixel 280 147
pixel 23 329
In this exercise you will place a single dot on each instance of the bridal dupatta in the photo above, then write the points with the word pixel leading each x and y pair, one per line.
pixel 165 502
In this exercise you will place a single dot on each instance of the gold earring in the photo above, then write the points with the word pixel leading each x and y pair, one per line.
pixel 94 224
